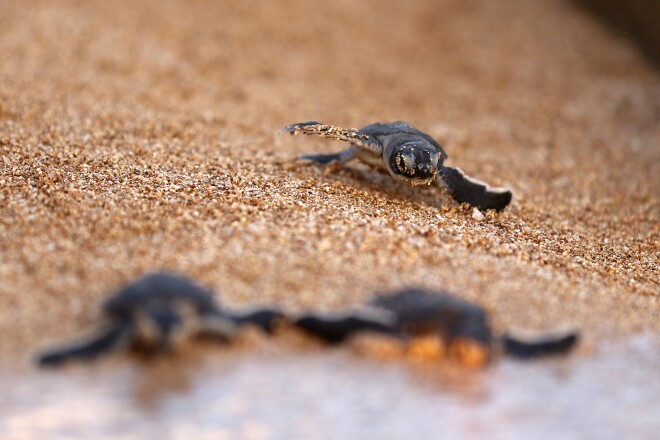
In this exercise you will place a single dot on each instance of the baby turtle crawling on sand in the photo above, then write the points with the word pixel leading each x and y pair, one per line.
pixel 408 155
pixel 431 324
pixel 157 312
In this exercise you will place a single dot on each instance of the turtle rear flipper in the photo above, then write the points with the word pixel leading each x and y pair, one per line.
pixel 540 348
pixel 110 339
pixel 465 189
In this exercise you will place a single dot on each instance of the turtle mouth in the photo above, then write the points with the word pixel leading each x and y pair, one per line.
pixel 416 182
pixel 414 164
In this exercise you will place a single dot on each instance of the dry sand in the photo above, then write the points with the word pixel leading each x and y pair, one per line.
pixel 142 135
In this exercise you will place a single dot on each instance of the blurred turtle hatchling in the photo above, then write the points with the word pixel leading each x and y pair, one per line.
pixel 431 325
pixel 156 313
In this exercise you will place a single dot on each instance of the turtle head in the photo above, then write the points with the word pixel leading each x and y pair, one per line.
pixel 414 162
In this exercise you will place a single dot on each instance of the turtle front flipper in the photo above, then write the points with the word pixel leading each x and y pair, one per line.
pixel 336 329
pixel 351 135
pixel 465 189
pixel 266 319
pixel 540 348
pixel 109 339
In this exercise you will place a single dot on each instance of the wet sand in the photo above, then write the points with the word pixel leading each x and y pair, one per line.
pixel 254 395
pixel 143 136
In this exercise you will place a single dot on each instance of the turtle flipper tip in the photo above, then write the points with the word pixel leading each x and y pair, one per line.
pixel 295 128
pixel 549 346
pixel 103 342
pixel 499 198
pixel 465 189
pixel 58 357
pixel 50 359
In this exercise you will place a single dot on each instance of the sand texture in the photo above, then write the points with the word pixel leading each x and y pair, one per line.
pixel 143 135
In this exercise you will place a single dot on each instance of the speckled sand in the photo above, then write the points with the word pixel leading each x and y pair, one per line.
pixel 143 135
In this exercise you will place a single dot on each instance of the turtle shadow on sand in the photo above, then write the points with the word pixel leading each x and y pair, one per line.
pixel 363 178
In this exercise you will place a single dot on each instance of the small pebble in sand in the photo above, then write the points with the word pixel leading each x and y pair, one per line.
pixel 477 215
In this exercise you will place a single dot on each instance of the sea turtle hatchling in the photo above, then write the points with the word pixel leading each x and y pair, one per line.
pixel 154 314
pixel 408 155
pixel 432 323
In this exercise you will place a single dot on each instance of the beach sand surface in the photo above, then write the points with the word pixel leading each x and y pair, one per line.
pixel 140 136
